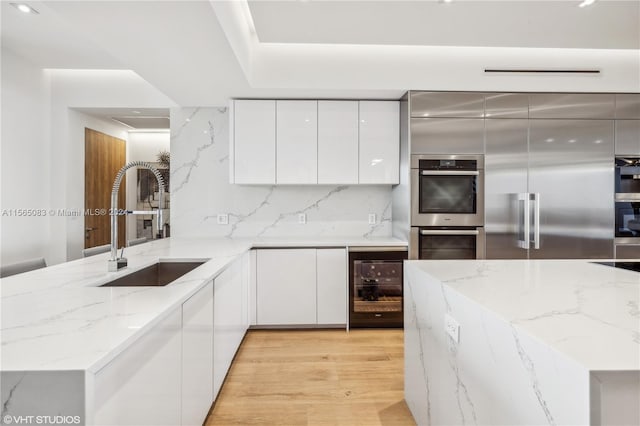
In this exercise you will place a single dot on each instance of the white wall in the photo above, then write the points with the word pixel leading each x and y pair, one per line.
pixel 200 190
pixel 85 89
pixel 42 149
pixel 145 146
pixel 142 146
pixel 24 152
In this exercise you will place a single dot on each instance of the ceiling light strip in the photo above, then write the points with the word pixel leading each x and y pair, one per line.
pixel 541 71
pixel 120 122
pixel 586 3
pixel 25 8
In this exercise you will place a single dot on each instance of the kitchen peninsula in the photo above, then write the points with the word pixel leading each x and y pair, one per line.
pixel 131 355
pixel 522 342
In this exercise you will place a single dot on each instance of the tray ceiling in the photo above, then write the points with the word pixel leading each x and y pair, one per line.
pixel 555 24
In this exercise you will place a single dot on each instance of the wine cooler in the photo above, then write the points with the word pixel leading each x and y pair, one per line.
pixel 375 286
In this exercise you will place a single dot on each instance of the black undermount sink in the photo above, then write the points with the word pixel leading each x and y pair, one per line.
pixel 157 275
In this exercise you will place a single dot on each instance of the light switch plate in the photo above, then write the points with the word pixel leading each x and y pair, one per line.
pixel 223 219
pixel 302 218
pixel 372 218
pixel 452 327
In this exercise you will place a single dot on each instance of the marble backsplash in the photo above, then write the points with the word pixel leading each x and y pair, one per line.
pixel 200 190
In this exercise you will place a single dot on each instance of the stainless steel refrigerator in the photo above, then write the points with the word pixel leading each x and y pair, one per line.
pixel 549 181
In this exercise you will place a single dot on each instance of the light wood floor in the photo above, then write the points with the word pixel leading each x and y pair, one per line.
pixel 315 377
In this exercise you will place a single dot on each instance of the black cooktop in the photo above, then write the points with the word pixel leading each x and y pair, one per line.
pixel 632 266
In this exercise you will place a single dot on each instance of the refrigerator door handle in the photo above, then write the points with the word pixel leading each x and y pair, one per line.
pixel 524 227
pixel 536 220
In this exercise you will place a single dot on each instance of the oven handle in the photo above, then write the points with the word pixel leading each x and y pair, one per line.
pixel 448 232
pixel 449 172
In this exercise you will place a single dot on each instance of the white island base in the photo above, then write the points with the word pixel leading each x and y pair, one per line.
pixel 539 342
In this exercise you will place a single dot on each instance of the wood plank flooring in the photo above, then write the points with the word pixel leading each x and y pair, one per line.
pixel 315 377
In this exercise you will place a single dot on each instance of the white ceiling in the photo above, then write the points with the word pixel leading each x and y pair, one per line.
pixel 604 25
pixel 133 118
pixel 48 40
pixel 200 53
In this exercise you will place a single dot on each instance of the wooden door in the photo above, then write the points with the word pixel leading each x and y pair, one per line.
pixel 104 156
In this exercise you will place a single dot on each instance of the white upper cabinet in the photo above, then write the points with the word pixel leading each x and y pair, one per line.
pixel 379 142
pixel 337 142
pixel 314 142
pixel 254 141
pixel 297 142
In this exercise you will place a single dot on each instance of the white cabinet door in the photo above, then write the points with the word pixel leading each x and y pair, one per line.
pixel 297 142
pixel 379 142
pixel 142 385
pixel 338 142
pixel 332 286
pixel 286 286
pixel 254 144
pixel 197 356
pixel 246 280
pixel 228 321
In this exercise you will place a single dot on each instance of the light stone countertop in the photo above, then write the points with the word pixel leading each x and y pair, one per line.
pixel 586 311
pixel 57 318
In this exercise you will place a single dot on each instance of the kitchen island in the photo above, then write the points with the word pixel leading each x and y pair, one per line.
pixel 77 353
pixel 522 343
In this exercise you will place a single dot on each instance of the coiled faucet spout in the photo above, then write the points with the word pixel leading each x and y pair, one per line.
pixel 115 263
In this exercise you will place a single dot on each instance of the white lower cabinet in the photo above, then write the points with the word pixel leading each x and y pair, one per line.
pixel 229 318
pixel 286 287
pixel 142 385
pixel 332 286
pixel 173 373
pixel 197 356
pixel 301 287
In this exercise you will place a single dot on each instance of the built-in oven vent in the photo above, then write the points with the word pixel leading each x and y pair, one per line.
pixel 541 71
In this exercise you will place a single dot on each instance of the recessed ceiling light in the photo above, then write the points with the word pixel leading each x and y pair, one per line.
pixel 136 112
pixel 25 8
pixel 586 3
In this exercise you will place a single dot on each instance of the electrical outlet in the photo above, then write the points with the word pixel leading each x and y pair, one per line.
pixel 452 327
pixel 302 218
pixel 223 219
pixel 372 218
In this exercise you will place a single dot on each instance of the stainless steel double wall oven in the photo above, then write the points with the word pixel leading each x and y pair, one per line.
pixel 447 206
pixel 627 207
